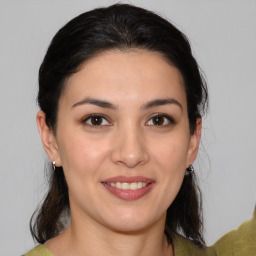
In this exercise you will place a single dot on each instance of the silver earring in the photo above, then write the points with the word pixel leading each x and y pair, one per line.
pixel 53 165
pixel 189 170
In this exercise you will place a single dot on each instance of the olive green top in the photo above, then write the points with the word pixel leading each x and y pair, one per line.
pixel 239 242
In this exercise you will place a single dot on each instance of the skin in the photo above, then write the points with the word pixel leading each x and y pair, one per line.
pixel 127 142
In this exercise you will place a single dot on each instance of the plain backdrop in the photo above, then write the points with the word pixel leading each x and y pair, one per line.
pixel 223 39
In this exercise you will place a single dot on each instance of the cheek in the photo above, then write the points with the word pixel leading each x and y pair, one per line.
pixel 171 153
pixel 81 155
pixel 82 159
pixel 170 157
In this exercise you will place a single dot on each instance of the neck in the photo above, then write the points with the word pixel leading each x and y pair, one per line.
pixel 90 238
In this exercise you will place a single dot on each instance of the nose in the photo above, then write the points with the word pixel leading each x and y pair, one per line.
pixel 129 148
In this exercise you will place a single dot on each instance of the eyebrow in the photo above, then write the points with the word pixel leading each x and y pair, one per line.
pixel 106 104
pixel 161 102
pixel 97 102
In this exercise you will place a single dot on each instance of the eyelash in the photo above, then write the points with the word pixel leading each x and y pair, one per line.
pixel 169 119
pixel 87 118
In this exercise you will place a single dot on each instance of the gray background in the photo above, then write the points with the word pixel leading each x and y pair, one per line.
pixel 223 38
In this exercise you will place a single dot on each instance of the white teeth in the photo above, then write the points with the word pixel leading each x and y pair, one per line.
pixel 134 186
pixel 128 186
pixel 119 185
pixel 125 186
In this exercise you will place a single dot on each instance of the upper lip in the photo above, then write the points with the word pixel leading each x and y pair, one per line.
pixel 127 179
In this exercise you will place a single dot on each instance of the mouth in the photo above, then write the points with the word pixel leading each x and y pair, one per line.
pixel 128 188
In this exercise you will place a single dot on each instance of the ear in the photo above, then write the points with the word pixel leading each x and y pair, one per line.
pixel 194 142
pixel 48 138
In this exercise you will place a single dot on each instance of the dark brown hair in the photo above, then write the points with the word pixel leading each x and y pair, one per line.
pixel 118 27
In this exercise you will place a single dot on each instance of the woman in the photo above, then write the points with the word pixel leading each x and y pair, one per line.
pixel 121 100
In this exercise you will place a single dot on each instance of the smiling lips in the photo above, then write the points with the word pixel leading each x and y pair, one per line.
pixel 128 188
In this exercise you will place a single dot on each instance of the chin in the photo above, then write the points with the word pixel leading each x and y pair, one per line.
pixel 133 223
pixel 130 227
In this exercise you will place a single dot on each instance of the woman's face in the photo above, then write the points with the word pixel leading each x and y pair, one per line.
pixel 123 139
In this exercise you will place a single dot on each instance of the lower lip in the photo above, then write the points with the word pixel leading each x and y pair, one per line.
pixel 128 194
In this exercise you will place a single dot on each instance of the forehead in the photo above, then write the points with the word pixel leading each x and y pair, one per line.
pixel 126 75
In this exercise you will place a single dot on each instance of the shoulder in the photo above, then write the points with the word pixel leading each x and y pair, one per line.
pixel 39 250
pixel 185 247
pixel 241 241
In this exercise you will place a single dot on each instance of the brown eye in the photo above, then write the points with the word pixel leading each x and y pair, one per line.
pixel 160 120
pixel 96 120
